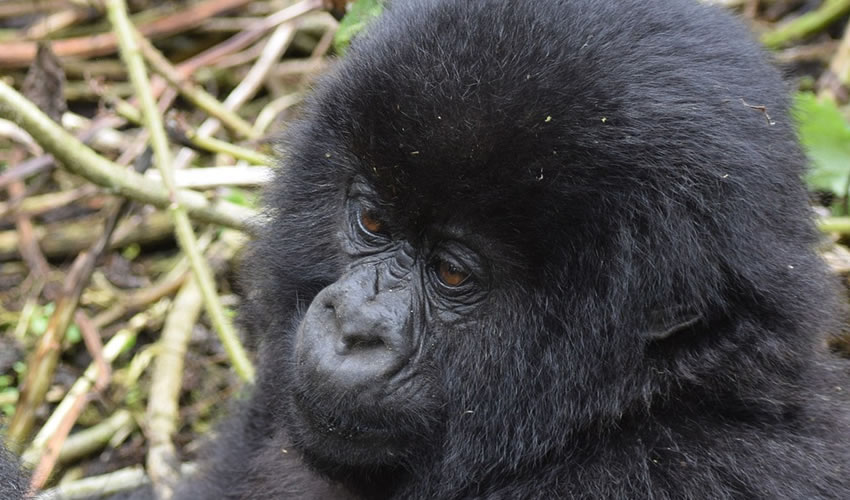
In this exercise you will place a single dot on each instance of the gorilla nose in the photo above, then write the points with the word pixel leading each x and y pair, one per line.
pixel 352 338
pixel 363 329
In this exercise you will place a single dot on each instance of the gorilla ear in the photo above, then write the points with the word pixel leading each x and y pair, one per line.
pixel 667 323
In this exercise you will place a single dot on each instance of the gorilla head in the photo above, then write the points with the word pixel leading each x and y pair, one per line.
pixel 541 242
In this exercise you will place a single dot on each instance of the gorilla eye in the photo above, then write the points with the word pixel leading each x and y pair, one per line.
pixel 369 222
pixel 451 275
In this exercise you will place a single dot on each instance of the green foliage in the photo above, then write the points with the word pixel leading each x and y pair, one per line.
pixel 241 197
pixel 73 334
pixel 8 409
pixel 41 318
pixel 825 135
pixel 360 12
pixel 132 251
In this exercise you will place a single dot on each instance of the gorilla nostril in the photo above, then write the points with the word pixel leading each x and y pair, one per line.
pixel 363 342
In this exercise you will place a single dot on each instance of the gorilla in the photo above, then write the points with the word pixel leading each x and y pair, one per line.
pixel 13 484
pixel 540 249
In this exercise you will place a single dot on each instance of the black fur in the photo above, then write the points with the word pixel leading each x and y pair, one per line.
pixel 653 311
pixel 652 319
pixel 13 483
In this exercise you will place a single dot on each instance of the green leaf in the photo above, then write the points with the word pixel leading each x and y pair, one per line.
pixel 38 323
pixel 41 318
pixel 825 135
pixel 241 197
pixel 360 12
pixel 73 334
pixel 132 251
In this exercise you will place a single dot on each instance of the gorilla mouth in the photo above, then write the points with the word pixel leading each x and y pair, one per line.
pixel 345 436
pixel 352 430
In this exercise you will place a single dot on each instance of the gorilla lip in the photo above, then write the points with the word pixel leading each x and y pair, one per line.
pixel 322 423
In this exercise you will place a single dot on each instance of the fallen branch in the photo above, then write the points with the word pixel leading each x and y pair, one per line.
pixel 807 24
pixel 132 57
pixel 85 162
pixel 21 54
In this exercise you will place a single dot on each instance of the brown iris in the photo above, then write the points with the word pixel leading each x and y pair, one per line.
pixel 451 275
pixel 370 222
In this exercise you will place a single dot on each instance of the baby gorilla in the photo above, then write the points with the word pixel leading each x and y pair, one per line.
pixel 540 249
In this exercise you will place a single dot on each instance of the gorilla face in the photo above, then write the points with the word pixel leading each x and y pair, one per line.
pixel 363 383
pixel 503 225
